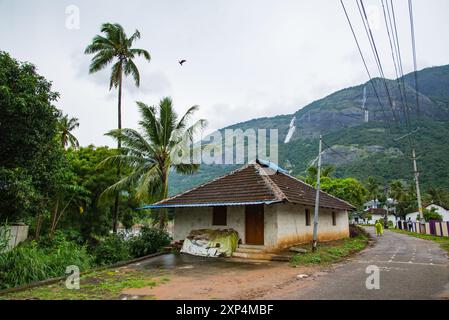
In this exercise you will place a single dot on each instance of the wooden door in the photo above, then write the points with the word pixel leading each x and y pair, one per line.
pixel 254 224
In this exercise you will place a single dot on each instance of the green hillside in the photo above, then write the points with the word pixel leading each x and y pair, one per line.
pixel 365 143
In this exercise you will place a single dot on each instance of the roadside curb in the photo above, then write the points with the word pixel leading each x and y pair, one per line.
pixel 55 280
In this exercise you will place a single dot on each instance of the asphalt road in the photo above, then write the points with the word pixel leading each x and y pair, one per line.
pixel 409 268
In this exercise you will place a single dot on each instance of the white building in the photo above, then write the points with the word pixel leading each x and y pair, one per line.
pixel 442 211
pixel 266 206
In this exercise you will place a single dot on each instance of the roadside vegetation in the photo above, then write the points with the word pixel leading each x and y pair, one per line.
pixel 100 285
pixel 333 251
pixel 442 241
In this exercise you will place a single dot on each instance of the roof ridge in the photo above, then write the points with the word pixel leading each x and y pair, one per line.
pixel 204 184
pixel 278 193
pixel 288 175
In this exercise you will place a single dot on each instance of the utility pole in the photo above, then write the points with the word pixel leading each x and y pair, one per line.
pixel 317 198
pixel 418 191
pixel 416 174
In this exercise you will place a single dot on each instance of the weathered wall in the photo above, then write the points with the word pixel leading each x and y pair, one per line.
pixel 285 224
pixel 292 227
pixel 188 219
pixel 18 233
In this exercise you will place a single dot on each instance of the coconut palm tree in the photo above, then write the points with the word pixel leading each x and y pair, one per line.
pixel 312 172
pixel 65 127
pixel 115 47
pixel 151 153
pixel 373 188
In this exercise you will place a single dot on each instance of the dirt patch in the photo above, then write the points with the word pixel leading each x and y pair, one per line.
pixel 234 282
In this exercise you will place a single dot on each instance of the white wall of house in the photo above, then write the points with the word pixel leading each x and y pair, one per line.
pixel 444 213
pixel 375 217
pixel 292 228
pixel 285 224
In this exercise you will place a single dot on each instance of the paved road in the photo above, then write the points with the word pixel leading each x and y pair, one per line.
pixel 410 268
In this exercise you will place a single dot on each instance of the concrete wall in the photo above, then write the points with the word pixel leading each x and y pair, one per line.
pixel 285 224
pixel 188 219
pixel 292 227
pixel 18 233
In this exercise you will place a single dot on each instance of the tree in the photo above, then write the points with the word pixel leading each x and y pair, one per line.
pixel 431 214
pixel 348 189
pixel 436 196
pixel 150 154
pixel 87 218
pixel 373 188
pixel 65 126
pixel 115 45
pixel 312 171
pixel 29 150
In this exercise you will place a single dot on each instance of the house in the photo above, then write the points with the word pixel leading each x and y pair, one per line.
pixel 263 203
pixel 375 214
pixel 444 213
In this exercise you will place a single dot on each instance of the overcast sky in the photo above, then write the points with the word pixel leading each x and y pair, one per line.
pixel 245 59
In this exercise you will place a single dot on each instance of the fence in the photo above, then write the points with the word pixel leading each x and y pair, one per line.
pixel 436 228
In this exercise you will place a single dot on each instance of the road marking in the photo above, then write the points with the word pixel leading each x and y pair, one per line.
pixel 402 262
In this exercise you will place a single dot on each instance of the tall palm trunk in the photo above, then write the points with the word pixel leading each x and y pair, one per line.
pixel 119 146
pixel 163 214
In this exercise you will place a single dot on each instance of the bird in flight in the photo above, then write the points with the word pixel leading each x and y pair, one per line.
pixel 182 61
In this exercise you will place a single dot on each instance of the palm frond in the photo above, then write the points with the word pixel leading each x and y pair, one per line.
pixel 186 117
pixel 131 68
pixel 115 75
pixel 185 168
pixel 167 119
pixel 150 123
pixel 141 52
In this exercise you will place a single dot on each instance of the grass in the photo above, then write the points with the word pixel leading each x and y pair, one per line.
pixel 330 252
pixel 102 285
pixel 442 241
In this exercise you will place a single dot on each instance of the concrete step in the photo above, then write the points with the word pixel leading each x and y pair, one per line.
pixel 252 246
pixel 252 256
pixel 248 250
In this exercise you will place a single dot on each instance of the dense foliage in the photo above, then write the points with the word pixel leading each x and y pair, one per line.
pixel 34 261
pixel 150 241
pixel 30 155
pixel 111 250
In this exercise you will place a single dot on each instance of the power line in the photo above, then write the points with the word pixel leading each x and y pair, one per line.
pixel 335 151
pixel 370 36
pixel 366 67
pixel 393 49
pixel 412 32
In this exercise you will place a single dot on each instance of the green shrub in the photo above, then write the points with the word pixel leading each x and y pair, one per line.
pixel 31 261
pixel 111 250
pixel 150 240
pixel 432 214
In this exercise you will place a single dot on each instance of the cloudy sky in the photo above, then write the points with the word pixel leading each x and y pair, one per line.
pixel 245 59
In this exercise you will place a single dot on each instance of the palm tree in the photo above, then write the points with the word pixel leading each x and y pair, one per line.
pixel 312 172
pixel 151 153
pixel 65 126
pixel 436 196
pixel 373 188
pixel 116 46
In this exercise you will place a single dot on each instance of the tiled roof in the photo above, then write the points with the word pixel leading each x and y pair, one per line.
pixel 253 183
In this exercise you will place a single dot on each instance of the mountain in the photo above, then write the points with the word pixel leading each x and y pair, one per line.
pixel 361 131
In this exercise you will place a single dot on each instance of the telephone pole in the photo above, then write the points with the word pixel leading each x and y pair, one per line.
pixel 418 191
pixel 416 175
pixel 317 198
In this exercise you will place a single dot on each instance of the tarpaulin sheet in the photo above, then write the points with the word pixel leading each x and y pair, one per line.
pixel 211 243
